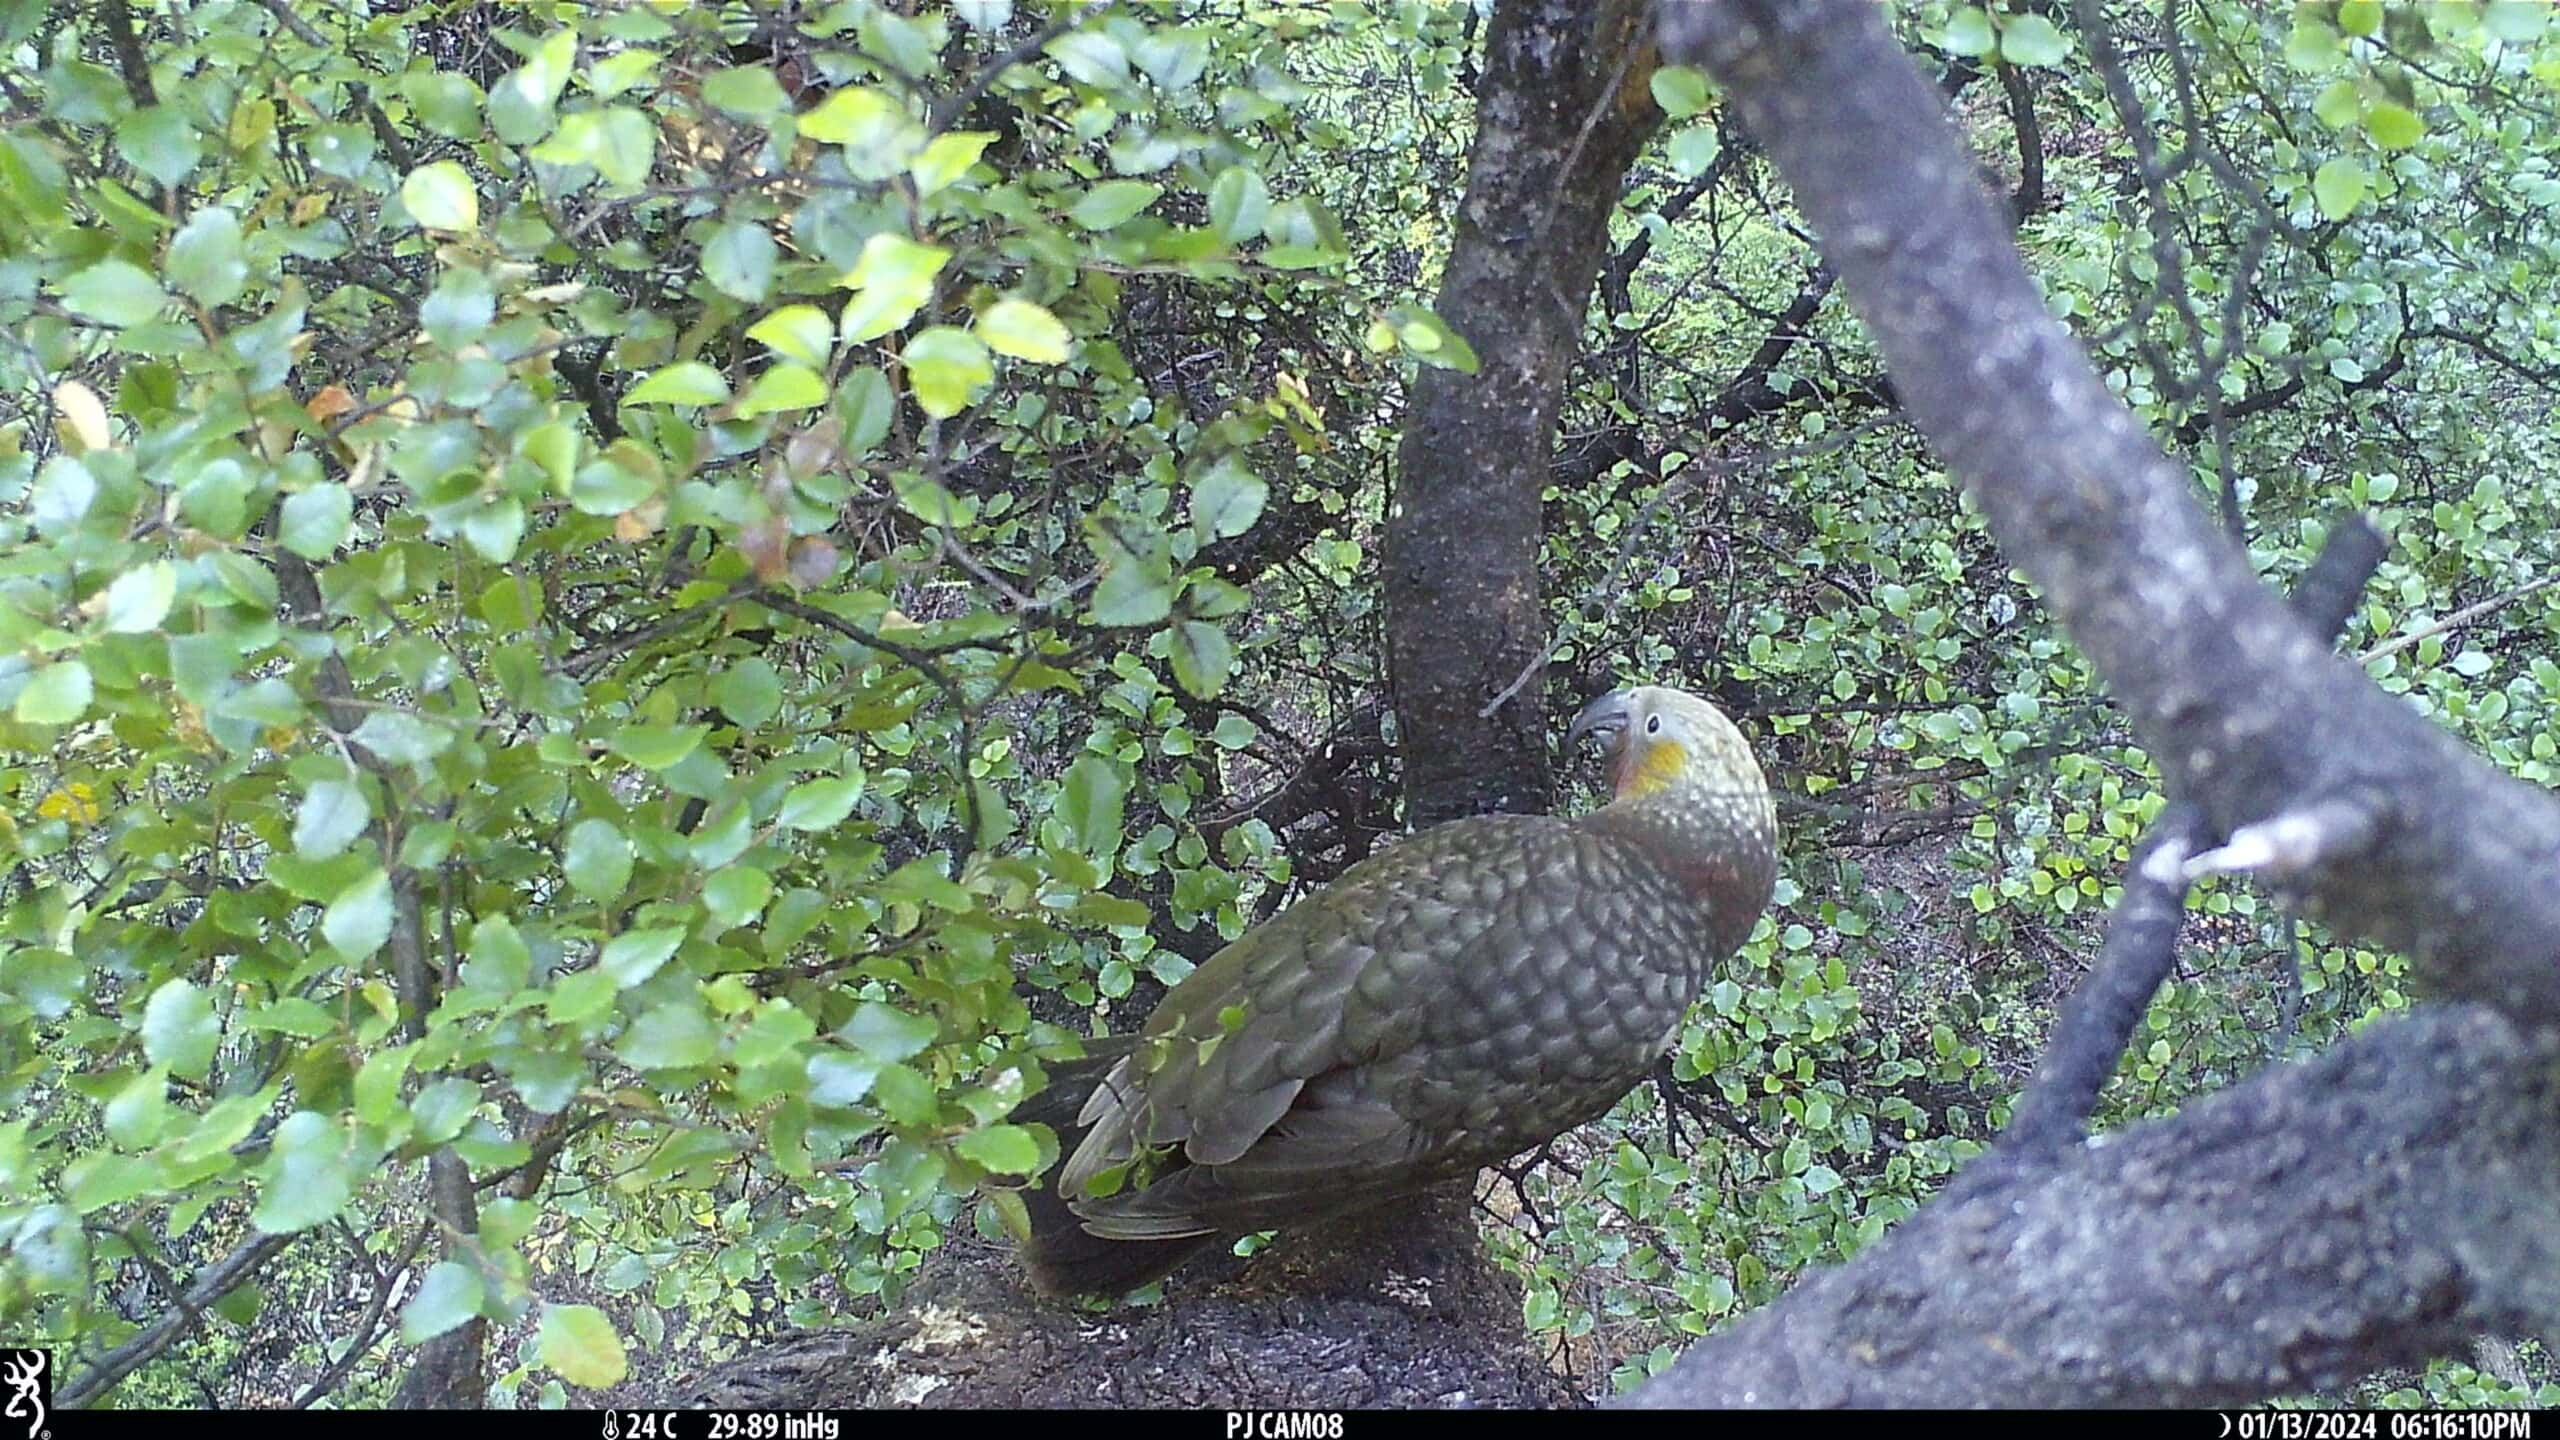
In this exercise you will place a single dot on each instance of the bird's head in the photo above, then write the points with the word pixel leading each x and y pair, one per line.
pixel 1655 738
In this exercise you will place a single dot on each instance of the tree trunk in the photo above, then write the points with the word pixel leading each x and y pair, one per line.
pixel 1564 105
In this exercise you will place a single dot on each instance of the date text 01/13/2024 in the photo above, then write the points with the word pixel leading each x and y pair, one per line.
pixel 2377 1425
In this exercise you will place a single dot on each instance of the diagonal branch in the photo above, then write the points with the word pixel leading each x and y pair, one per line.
pixel 2245 709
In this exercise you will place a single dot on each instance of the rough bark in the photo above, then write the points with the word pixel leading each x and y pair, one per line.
pixel 2382 1204
pixel 2244 707
pixel 1563 106
pixel 2374 1207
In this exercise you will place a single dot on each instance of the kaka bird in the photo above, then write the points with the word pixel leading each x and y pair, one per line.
pixel 1456 999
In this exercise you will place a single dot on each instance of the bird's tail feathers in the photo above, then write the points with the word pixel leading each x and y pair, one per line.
pixel 1062 1256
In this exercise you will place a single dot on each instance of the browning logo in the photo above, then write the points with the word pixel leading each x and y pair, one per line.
pixel 26 1380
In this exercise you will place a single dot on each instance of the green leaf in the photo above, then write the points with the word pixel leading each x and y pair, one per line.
pixel 736 895
pixel 947 159
pixel 579 1342
pixel 1429 339
pixel 2312 46
pixel 448 1296
pixel 676 1035
pixel 98 1180
pixel 688 382
pixel 1226 499
pixel 1682 91
pixel 402 738
pixel 2340 187
pixel 738 260
pixel 358 921
pixel 440 196
pixel 1024 331
pixel 1136 587
pixel 945 365
pixel 309 1176
pixel 140 598
pixel 1092 57
pixel 819 804
pixel 636 955
pixel 159 141
pixel 1239 204
pixel 315 522
pixel 499 960
pixel 113 292
pixel 443 1108
pixel 878 135
pixel 886 1033
pixel 1000 1149
pixel 623 70
pixel 179 1029
pixel 2032 40
pixel 617 142
pixel 1202 656
pixel 745 90
pixel 837 1079
pixel 207 258
pixel 797 332
pixel 1091 798
pixel 55 694
pixel 1694 149
pixel 597 860
pixel 446 103
pixel 139 1114
pixel 332 814
pixel 750 692
pixel 891 281
pixel 2394 127
pixel 784 387
pixel 1968 32
pixel 869 408
pixel 2517 22
pixel 657 747
pixel 1112 202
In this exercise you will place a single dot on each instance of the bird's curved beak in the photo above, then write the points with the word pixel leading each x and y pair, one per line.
pixel 1605 718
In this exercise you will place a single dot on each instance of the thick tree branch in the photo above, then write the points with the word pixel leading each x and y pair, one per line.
pixel 2378 1206
pixel 216 1281
pixel 2245 709
pixel 2372 1208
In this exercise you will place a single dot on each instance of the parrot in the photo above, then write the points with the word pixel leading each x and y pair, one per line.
pixel 1456 999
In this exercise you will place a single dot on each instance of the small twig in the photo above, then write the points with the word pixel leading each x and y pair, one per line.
pixel 369 1325
pixel 127 45
pixel 923 663
pixel 2463 616
pixel 2099 1019
pixel 216 1281
pixel 957 104
pixel 2289 986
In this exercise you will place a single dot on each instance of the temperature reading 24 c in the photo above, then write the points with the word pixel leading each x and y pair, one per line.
pixel 640 1425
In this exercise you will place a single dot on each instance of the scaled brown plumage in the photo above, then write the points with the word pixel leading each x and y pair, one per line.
pixel 1446 1004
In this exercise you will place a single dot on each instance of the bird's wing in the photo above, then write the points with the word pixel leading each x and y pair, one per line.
pixel 1345 980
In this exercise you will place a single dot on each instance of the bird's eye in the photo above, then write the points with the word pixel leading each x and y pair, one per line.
pixel 1653 725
